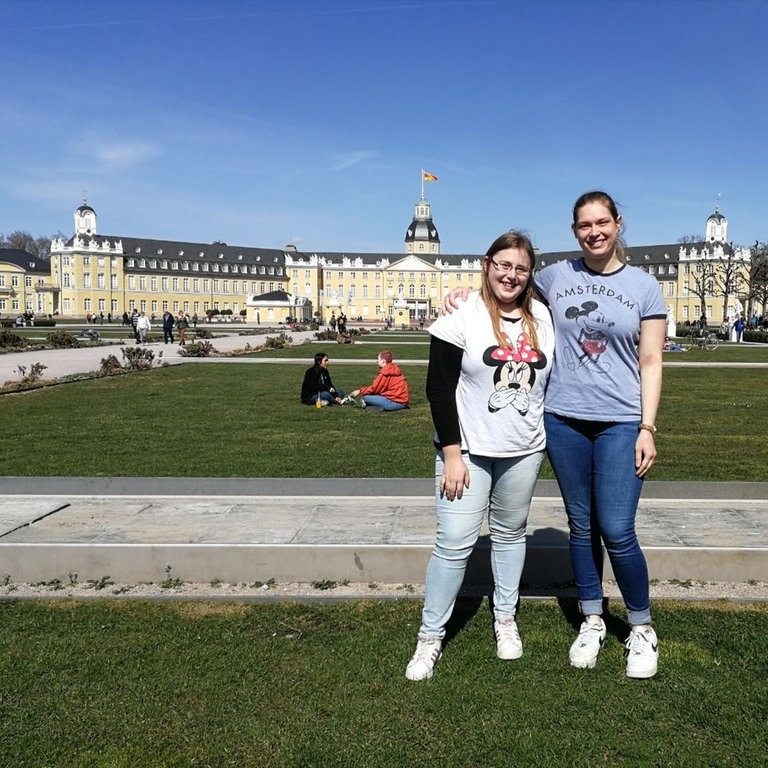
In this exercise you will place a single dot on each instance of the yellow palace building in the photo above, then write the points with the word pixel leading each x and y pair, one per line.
pixel 93 274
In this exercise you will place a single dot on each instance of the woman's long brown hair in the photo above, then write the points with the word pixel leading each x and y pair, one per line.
pixel 511 239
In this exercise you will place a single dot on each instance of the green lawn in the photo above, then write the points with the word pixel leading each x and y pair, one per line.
pixel 132 684
pixel 246 420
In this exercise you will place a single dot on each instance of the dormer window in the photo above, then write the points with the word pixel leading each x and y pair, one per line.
pixel 159 251
pixel 138 249
pixel 181 253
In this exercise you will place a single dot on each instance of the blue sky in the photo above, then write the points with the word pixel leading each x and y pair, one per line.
pixel 269 121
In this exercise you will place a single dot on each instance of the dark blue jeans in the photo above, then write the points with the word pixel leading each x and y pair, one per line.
pixel 594 463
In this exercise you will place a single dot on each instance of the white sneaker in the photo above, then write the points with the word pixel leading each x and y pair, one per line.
pixel 422 664
pixel 642 652
pixel 508 643
pixel 587 645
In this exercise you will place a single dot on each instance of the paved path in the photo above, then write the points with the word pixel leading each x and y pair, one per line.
pixel 364 530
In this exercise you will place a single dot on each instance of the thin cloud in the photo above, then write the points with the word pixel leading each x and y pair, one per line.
pixel 125 154
pixel 352 159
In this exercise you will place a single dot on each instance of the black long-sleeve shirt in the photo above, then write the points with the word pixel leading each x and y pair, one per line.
pixel 442 379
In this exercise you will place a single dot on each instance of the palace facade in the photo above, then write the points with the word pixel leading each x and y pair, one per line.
pixel 92 274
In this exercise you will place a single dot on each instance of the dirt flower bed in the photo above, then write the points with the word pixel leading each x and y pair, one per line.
pixel 175 588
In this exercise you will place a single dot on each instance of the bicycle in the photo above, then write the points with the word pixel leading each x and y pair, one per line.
pixel 705 340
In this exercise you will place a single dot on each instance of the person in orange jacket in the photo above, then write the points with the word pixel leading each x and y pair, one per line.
pixel 389 390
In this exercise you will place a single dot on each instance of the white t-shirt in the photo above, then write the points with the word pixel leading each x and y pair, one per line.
pixel 500 395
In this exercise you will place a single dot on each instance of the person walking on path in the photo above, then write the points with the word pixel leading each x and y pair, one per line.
pixel 738 326
pixel 488 366
pixel 134 325
pixel 181 325
pixel 143 327
pixel 389 390
pixel 167 327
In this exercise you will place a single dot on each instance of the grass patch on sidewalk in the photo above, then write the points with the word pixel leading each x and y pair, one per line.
pixel 230 420
pixel 118 684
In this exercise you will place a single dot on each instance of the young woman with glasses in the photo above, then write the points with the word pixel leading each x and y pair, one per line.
pixel 488 366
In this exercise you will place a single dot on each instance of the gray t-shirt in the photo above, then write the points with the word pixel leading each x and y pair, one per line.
pixel 596 372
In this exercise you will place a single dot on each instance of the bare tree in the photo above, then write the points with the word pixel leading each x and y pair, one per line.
pixel 701 286
pixel 729 278
pixel 689 239
pixel 39 247
pixel 757 287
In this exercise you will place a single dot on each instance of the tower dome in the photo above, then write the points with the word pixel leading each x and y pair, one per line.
pixel 717 227
pixel 85 219
pixel 422 236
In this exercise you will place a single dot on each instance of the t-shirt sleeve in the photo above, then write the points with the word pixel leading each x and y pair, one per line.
pixel 654 306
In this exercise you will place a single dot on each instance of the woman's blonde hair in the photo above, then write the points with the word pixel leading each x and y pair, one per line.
pixel 522 242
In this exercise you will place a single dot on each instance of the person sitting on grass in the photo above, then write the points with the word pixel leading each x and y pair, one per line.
pixel 317 384
pixel 389 390
pixel 672 346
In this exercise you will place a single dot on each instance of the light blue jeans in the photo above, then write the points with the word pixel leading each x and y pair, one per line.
pixel 594 463
pixel 502 489
pixel 383 402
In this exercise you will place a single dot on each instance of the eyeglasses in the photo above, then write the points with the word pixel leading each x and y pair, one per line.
pixel 505 267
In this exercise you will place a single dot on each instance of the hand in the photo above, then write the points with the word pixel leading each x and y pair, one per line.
pixel 645 452
pixel 455 478
pixel 450 302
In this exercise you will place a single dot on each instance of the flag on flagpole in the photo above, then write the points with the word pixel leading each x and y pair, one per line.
pixel 429 176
